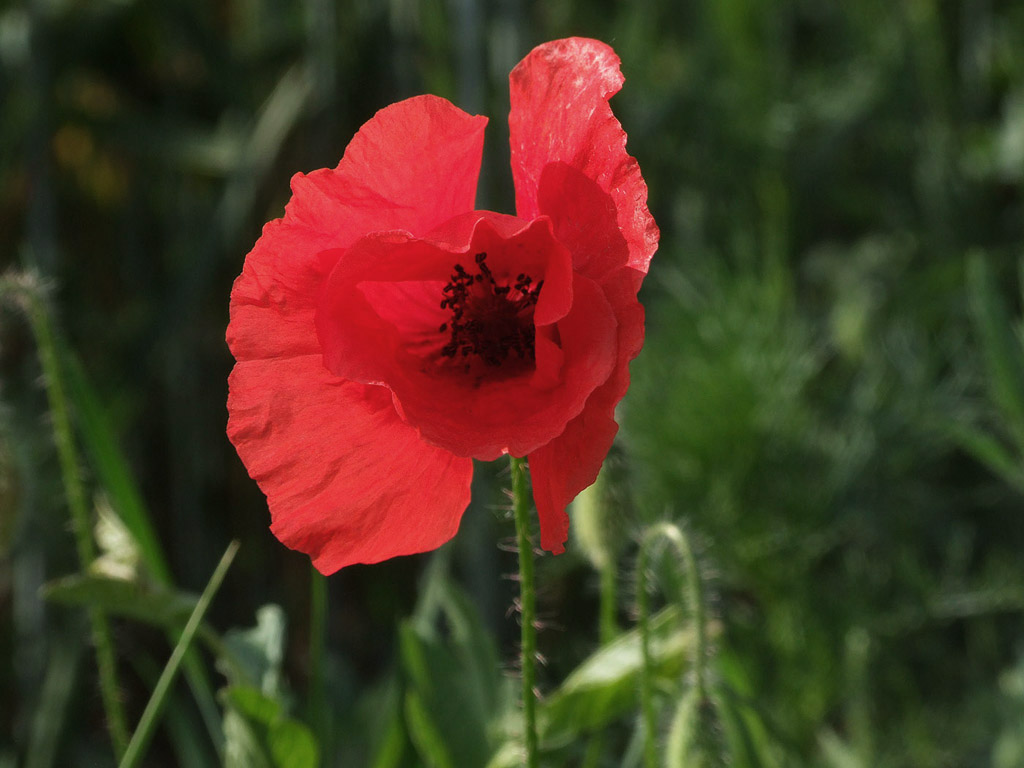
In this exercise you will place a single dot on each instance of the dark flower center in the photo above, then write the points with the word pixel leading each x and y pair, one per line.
pixel 489 320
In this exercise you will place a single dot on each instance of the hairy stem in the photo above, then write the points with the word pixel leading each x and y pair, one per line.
pixel 609 627
pixel 698 615
pixel 74 492
pixel 527 607
pixel 643 602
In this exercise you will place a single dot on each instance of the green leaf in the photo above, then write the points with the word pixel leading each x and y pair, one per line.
pixel 251 660
pixel 242 745
pixel 604 687
pixel 292 745
pixel 836 753
pixel 445 707
pixel 384 724
pixel 289 743
pixel 256 654
pixel 254 704
pixel 475 652
pixel 745 734
pixel 148 603
pixel 392 745
pixel 509 755
pixel 459 694
pixel 426 735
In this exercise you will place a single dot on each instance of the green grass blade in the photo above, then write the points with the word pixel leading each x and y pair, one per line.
pixel 53 702
pixel 112 470
pixel 111 465
pixel 424 733
pixel 150 716
pixel 78 508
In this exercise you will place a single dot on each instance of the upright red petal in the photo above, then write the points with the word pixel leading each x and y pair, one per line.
pixel 569 162
pixel 567 145
pixel 412 166
pixel 571 462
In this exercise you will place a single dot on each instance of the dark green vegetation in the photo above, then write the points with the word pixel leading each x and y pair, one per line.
pixel 830 404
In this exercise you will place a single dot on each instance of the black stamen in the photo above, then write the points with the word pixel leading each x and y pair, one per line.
pixel 488 319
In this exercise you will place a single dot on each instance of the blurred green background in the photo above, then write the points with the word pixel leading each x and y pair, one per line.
pixel 830 403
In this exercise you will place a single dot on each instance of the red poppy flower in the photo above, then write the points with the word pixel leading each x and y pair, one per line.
pixel 387 333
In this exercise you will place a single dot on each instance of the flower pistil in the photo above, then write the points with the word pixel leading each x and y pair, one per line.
pixel 489 319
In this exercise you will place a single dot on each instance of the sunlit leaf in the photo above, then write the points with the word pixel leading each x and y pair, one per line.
pixel 242 747
pixel 254 704
pixel 292 745
pixel 430 743
pixel 443 709
pixel 136 600
pixel 605 686
pixel 257 652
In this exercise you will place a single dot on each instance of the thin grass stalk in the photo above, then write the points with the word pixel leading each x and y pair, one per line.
pixel 608 628
pixel 151 714
pixel 698 615
pixel 643 606
pixel 318 715
pixel 109 464
pixel 594 535
pixel 74 492
pixel 527 608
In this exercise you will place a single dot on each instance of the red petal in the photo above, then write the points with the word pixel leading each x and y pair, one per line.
pixel 517 415
pixel 563 134
pixel 274 299
pixel 346 480
pixel 571 462
pixel 412 166
pixel 371 332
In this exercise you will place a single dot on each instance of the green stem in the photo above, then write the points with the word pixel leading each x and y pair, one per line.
pixel 75 494
pixel 643 601
pixel 150 716
pixel 595 536
pixel 317 644
pixel 609 628
pixel 527 607
pixel 695 597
